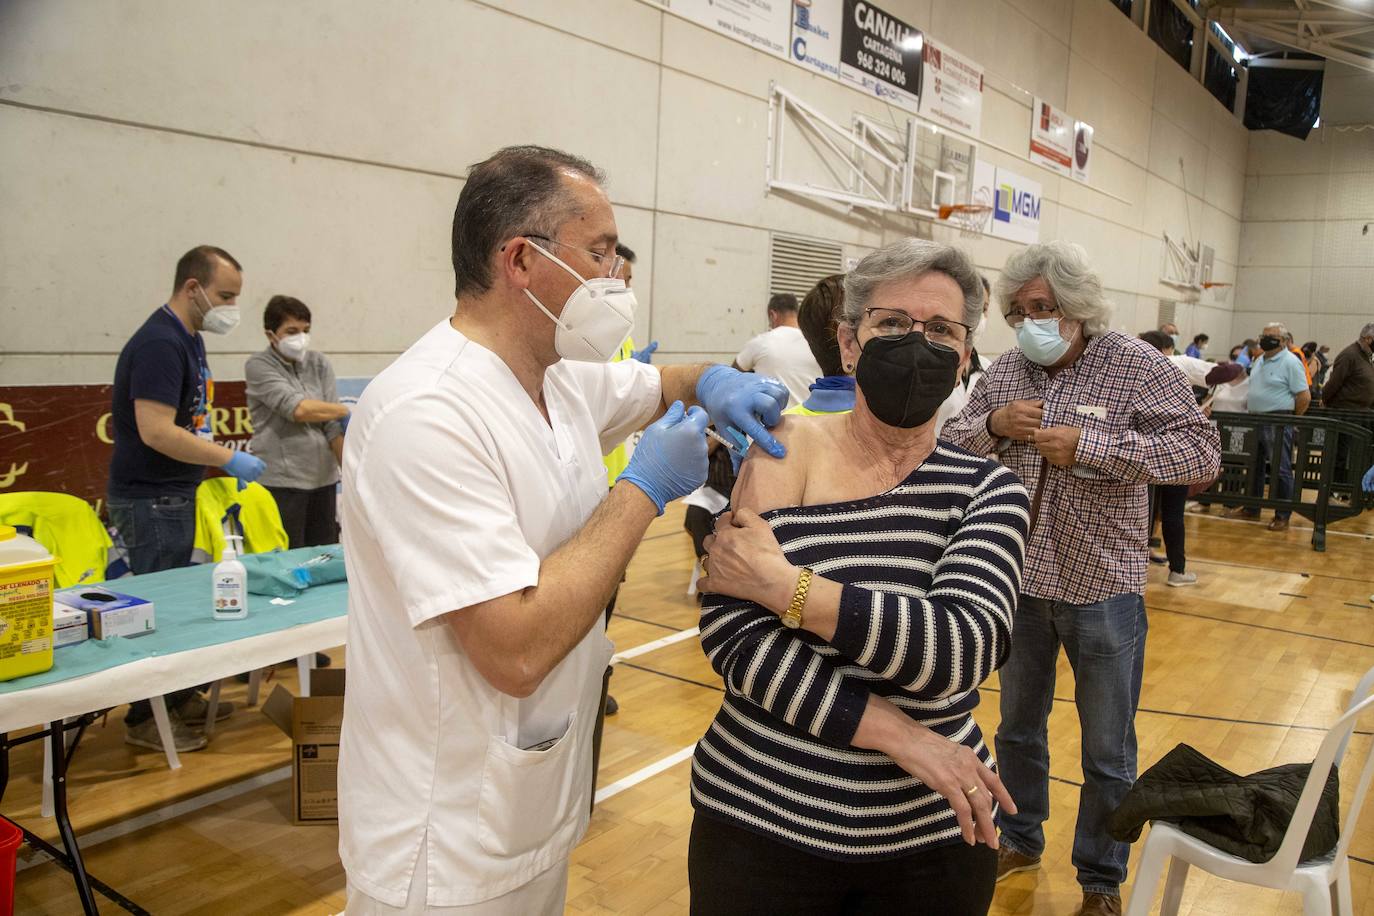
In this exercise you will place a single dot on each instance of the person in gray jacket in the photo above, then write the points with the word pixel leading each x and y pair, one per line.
pixel 298 424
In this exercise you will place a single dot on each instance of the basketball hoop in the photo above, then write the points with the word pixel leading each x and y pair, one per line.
pixel 1221 292
pixel 972 219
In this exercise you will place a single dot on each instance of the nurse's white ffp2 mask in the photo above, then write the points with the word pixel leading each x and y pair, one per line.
pixel 596 319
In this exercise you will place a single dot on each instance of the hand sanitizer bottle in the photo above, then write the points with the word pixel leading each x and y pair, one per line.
pixel 230 584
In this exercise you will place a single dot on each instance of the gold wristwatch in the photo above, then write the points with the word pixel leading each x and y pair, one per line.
pixel 792 617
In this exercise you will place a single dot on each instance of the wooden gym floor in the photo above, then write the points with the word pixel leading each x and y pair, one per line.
pixel 1249 667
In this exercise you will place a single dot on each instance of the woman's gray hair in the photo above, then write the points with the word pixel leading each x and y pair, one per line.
pixel 906 260
pixel 1064 268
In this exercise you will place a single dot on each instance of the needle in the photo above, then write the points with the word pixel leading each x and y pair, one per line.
pixel 722 440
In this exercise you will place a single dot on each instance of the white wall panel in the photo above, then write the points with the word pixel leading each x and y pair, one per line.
pixel 1273 289
pixel 1282 198
pixel 1120 119
pixel 366 248
pixel 1277 244
pixel 711 285
pixel 1113 44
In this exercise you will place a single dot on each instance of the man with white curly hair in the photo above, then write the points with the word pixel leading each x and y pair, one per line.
pixel 1088 418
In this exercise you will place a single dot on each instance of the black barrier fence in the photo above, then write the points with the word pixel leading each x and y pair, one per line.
pixel 1328 456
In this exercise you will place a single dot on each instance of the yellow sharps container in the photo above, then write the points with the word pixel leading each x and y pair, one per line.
pixel 26 586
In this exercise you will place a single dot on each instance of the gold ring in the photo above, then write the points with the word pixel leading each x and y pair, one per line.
pixel 971 791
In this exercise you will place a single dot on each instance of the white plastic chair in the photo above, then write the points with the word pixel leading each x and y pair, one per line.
pixel 1324 883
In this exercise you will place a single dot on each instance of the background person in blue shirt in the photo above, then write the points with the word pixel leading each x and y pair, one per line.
pixel 1198 347
pixel 1278 384
pixel 160 411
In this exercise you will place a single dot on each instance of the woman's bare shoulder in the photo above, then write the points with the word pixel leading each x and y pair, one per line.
pixel 768 483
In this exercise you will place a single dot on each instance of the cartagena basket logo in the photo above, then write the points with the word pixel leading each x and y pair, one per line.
pixel 803 26
pixel 1014 201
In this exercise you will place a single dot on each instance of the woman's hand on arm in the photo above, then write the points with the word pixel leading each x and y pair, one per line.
pixel 945 766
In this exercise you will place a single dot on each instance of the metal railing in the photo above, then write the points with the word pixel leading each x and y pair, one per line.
pixel 1328 459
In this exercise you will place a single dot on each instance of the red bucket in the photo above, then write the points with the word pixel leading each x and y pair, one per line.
pixel 10 839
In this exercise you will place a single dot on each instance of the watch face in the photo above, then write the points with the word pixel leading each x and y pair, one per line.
pixel 791 621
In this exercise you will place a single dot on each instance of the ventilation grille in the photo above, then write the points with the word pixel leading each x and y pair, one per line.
pixel 1167 308
pixel 797 264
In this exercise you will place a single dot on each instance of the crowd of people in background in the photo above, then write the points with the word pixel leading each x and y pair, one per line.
pixel 1026 534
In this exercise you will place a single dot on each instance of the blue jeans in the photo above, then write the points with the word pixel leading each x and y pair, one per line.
pixel 1285 484
pixel 159 533
pixel 1105 645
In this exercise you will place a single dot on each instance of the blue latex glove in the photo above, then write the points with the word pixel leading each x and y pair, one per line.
pixel 645 355
pixel 1368 482
pixel 245 467
pixel 745 402
pixel 670 459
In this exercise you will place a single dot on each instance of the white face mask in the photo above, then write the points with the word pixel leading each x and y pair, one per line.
pixel 293 346
pixel 982 326
pixel 218 319
pixel 596 319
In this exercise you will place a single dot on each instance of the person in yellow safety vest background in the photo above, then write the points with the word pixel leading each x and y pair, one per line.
pixel 618 459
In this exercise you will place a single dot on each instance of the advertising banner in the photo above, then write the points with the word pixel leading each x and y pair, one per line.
pixel 1060 143
pixel 951 89
pixel 816 35
pixel 880 54
pixel 1015 202
pixel 59 438
pixel 764 24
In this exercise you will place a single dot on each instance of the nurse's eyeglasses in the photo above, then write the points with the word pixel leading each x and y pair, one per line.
pixel 609 262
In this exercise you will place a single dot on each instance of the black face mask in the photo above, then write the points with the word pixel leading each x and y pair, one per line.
pixel 905 380
pixel 1269 342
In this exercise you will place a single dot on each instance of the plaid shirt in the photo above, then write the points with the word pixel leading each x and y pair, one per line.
pixel 1141 425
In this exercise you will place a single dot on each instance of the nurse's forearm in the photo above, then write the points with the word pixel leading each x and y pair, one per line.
pixel 517 639
pixel 679 384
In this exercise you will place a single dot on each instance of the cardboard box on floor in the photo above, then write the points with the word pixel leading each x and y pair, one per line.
pixel 313 723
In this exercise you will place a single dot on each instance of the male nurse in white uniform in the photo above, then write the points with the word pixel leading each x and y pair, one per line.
pixel 482 547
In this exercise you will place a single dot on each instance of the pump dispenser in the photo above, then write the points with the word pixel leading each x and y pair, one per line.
pixel 230 579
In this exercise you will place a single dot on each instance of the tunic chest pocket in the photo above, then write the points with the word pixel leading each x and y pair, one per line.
pixel 528 796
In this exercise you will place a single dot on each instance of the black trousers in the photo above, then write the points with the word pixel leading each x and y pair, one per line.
pixel 735 871
pixel 1167 506
pixel 308 516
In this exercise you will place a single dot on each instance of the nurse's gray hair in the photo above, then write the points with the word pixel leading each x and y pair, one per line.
pixel 1064 268
pixel 907 260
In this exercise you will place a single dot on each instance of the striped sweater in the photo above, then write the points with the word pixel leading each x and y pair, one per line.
pixel 931 571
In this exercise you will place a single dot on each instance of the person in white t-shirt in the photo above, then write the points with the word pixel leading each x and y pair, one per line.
pixel 782 352
pixel 482 546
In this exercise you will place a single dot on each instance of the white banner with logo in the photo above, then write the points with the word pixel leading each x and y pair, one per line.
pixel 951 89
pixel 1015 201
pixel 1060 143
pixel 765 24
pixel 816 26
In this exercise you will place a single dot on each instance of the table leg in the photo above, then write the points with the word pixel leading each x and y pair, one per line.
pixel 304 665
pixel 164 731
pixel 57 740
pixel 254 685
pixel 211 709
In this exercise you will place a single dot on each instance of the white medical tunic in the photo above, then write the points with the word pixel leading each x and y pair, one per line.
pixel 454 490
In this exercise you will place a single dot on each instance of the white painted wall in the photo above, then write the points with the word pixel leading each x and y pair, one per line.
pixel 323 143
pixel 1306 258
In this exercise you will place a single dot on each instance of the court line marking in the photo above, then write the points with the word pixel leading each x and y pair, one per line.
pixel 1259 626
pixel 645 620
pixel 655 645
pixel 1247 521
pixel 644 773
pixel 166 813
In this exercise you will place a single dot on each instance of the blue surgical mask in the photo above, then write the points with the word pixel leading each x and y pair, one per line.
pixel 1040 340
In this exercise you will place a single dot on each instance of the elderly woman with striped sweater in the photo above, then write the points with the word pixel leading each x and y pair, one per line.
pixel 859 592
